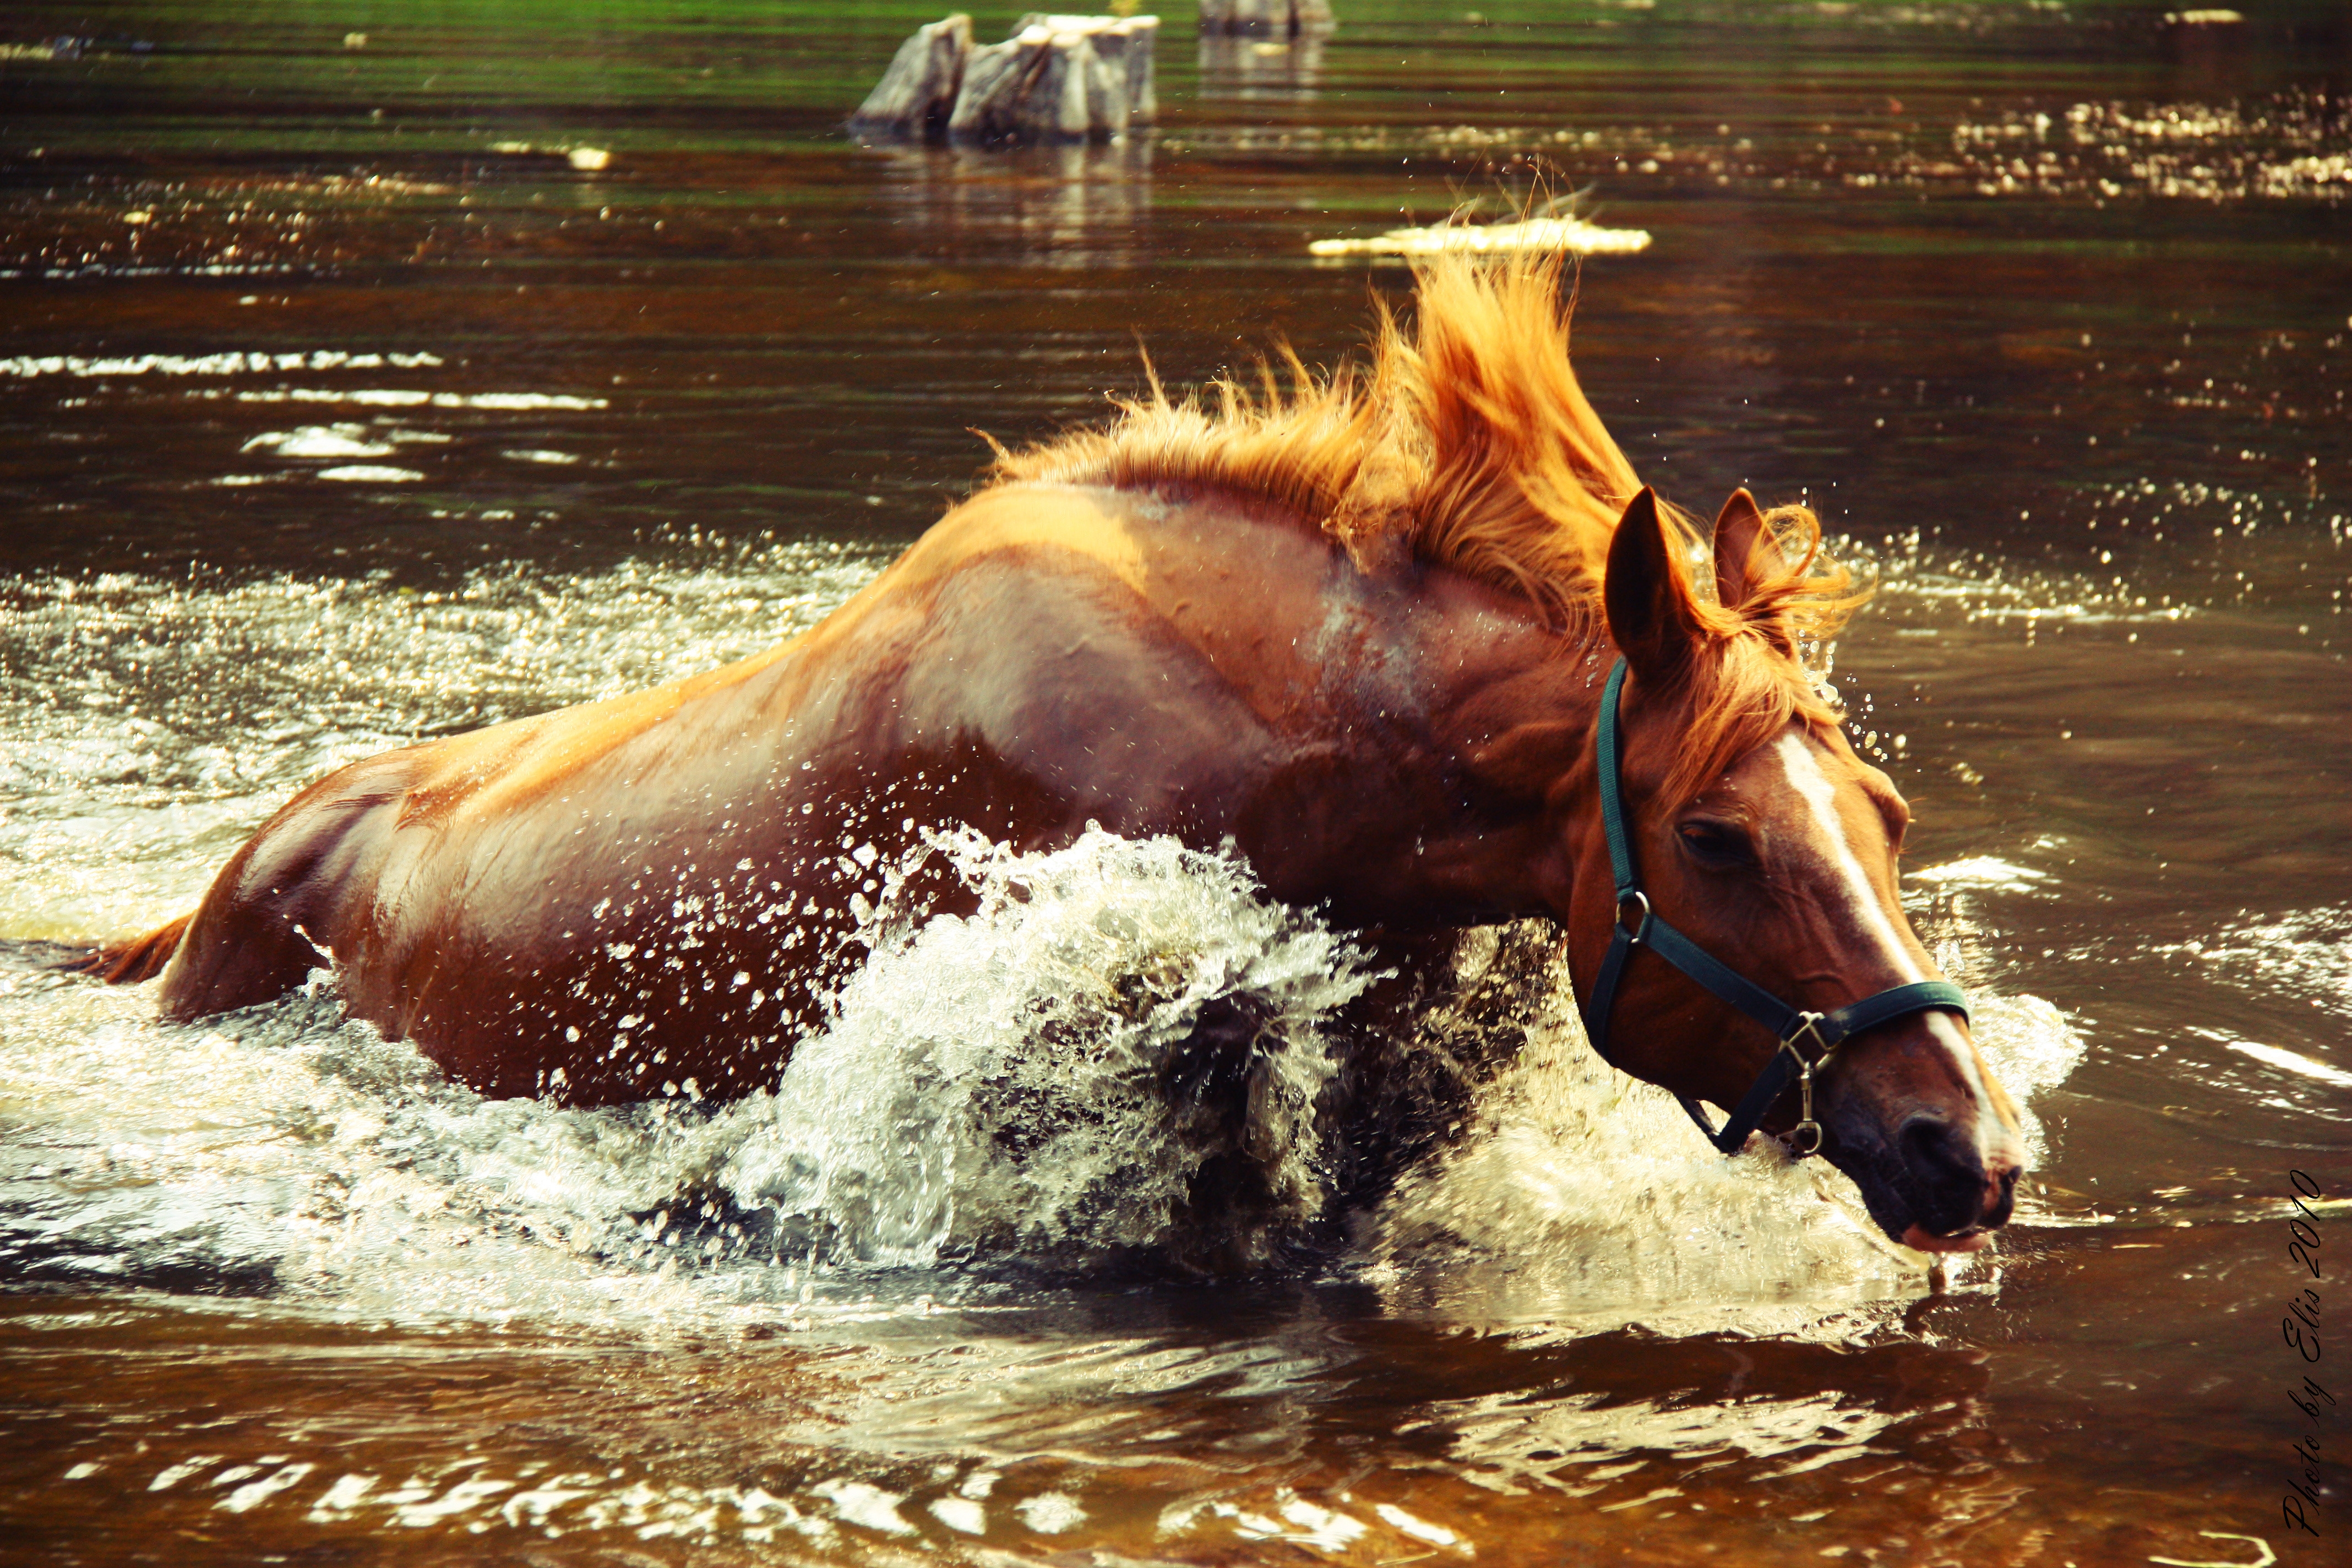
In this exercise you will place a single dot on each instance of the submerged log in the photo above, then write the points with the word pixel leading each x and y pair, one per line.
pixel 1057 79
pixel 918 93
pixel 1277 18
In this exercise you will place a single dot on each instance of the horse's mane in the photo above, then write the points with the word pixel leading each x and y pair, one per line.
pixel 1468 441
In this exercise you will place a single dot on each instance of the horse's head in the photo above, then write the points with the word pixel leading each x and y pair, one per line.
pixel 1761 837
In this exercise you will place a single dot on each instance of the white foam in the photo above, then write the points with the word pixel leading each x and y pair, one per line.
pixel 1584 1198
pixel 991 1084
pixel 988 1088
pixel 987 1091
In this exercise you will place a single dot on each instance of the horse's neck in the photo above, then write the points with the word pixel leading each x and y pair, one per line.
pixel 1504 710
pixel 1426 716
pixel 1497 683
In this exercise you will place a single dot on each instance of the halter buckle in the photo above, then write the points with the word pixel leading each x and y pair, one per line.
pixel 1640 901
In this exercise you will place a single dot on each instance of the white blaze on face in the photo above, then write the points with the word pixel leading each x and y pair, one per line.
pixel 1869 917
pixel 1948 1034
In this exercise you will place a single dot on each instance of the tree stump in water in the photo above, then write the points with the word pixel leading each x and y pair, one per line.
pixel 1278 18
pixel 1057 79
pixel 918 93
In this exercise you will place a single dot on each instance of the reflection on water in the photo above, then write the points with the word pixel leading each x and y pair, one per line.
pixel 1068 206
pixel 1037 1428
pixel 2291 146
pixel 339 405
pixel 1176 1433
pixel 1247 69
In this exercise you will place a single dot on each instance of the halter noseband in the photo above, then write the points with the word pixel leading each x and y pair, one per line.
pixel 1829 1030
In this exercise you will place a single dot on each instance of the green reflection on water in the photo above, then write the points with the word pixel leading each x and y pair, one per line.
pixel 289 79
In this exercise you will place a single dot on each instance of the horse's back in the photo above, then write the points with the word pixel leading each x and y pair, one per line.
pixel 1045 657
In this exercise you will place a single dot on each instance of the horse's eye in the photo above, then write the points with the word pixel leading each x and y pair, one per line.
pixel 1720 843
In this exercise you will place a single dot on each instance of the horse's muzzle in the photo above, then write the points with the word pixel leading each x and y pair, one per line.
pixel 1941 1181
pixel 1958 1196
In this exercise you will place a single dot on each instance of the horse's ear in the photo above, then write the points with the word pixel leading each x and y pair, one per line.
pixel 1738 530
pixel 1653 618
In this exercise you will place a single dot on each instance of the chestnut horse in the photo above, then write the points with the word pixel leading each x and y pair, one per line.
pixel 1357 627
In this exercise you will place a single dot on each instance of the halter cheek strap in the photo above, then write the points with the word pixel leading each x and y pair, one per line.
pixel 1638 927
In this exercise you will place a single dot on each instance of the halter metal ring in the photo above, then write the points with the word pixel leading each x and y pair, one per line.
pixel 1640 901
pixel 1807 1024
pixel 1805 1137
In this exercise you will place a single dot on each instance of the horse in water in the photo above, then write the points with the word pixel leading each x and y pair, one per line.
pixel 1359 627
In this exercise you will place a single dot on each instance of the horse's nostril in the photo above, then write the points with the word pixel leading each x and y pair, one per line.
pixel 2004 1197
pixel 1946 1176
pixel 1935 1152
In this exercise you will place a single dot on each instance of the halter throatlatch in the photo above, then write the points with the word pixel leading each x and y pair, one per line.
pixel 1637 926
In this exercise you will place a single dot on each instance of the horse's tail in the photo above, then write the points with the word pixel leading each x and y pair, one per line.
pixel 129 962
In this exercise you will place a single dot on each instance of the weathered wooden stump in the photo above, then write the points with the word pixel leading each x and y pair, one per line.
pixel 1277 18
pixel 1124 44
pixel 918 93
pixel 1057 79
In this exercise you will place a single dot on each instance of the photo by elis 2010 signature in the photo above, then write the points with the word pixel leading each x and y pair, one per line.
pixel 2300 1327
pixel 2301 1501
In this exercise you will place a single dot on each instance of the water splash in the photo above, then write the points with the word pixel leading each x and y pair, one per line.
pixel 1124 1043
pixel 1121 1050
pixel 287 1151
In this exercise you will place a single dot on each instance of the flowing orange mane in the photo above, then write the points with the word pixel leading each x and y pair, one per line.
pixel 1468 440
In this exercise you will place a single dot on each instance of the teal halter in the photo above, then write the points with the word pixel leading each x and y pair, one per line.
pixel 1829 1030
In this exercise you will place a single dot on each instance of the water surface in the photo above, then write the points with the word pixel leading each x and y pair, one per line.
pixel 352 392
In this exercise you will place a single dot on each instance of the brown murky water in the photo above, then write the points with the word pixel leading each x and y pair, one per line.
pixel 359 390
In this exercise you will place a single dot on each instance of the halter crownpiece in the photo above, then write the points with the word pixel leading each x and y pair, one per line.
pixel 1789 1024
